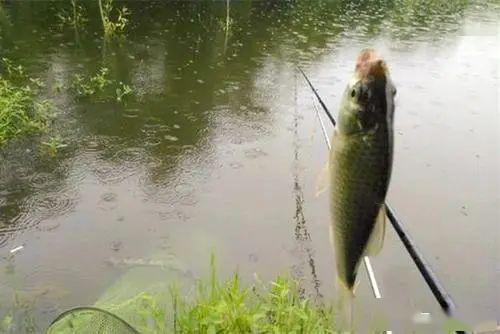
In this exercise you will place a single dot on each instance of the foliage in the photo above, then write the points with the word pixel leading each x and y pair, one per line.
pixel 225 24
pixel 100 85
pixel 92 85
pixel 53 145
pixel 122 91
pixel 113 27
pixel 21 113
pixel 215 307
pixel 76 17
pixel 6 322
pixel 231 308
pixel 13 72
pixel 19 319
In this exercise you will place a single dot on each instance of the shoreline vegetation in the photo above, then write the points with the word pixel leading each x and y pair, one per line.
pixel 22 113
pixel 232 307
pixel 212 305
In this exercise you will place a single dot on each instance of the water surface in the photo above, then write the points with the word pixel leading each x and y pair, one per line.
pixel 220 148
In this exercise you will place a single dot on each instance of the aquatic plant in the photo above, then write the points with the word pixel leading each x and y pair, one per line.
pixel 20 318
pixel 12 71
pixel 21 112
pixel 113 27
pixel 226 26
pixel 88 86
pixel 6 323
pixel 75 18
pixel 122 91
pixel 229 20
pixel 101 86
pixel 53 145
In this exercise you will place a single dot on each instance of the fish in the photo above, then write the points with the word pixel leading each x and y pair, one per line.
pixel 360 165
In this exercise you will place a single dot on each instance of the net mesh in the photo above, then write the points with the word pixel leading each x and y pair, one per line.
pixel 138 302
pixel 91 320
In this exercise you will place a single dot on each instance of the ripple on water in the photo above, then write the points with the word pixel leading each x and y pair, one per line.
pixel 171 138
pixel 236 165
pixel 7 232
pixel 154 132
pixel 152 141
pixel 131 156
pixel 97 143
pixel 183 189
pixel 254 153
pixel 50 205
pixel 23 221
pixel 185 194
pixel 22 172
pixel 156 179
pixel 120 165
pixel 174 215
pixel 4 237
pixel 109 197
pixel 110 173
pixel 41 180
pixel 107 201
pixel 8 211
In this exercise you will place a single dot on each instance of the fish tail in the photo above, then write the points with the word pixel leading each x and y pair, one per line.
pixel 351 312
pixel 345 304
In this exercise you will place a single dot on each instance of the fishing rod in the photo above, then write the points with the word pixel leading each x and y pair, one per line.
pixel 442 297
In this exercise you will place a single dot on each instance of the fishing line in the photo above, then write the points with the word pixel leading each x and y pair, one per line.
pixel 330 116
pixel 302 234
pixel 442 297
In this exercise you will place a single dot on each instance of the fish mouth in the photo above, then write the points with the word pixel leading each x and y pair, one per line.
pixel 372 75
pixel 370 66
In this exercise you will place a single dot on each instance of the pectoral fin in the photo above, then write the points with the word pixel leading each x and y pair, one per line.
pixel 377 236
pixel 323 180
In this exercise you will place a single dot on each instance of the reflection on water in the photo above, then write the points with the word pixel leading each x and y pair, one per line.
pixel 302 234
pixel 203 151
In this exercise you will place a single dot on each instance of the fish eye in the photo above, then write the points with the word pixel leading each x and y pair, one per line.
pixel 353 93
pixel 394 91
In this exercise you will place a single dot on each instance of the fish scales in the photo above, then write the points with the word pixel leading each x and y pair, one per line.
pixel 360 163
pixel 359 184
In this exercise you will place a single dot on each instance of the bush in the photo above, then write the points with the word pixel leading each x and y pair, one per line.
pixel 229 307
pixel 213 306
pixel 20 112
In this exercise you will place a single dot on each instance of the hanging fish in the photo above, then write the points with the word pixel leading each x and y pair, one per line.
pixel 360 165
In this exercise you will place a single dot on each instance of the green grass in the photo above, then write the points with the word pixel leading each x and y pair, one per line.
pixel 21 113
pixel 214 306
pixel 230 307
